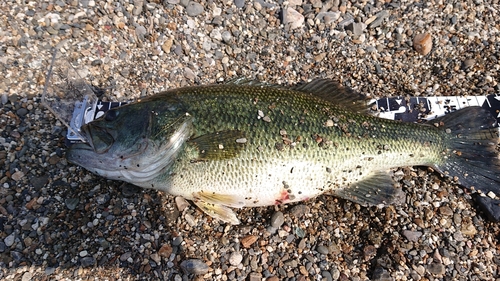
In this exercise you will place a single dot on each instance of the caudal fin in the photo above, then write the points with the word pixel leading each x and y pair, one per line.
pixel 472 155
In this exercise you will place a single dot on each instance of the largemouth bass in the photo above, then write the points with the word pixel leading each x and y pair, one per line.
pixel 246 144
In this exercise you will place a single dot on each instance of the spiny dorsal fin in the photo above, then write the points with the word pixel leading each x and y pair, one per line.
pixel 335 93
pixel 323 88
pixel 220 145
pixel 244 81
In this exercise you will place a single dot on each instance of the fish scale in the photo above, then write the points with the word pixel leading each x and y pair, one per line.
pixel 244 144
pixel 309 168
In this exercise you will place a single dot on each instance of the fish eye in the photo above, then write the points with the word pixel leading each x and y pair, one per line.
pixel 111 115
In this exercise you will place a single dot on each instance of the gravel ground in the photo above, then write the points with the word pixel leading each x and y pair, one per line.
pixel 59 222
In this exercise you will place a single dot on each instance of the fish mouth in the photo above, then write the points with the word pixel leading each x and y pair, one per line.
pixel 98 139
pixel 79 152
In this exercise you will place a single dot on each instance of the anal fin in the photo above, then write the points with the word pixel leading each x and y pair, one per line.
pixel 217 211
pixel 377 189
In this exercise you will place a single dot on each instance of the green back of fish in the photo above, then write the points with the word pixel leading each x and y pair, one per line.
pixel 284 121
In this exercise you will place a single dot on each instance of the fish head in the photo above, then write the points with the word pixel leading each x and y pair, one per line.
pixel 134 142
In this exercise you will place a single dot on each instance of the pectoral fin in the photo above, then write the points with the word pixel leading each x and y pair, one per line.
pixel 378 188
pixel 217 211
pixel 220 145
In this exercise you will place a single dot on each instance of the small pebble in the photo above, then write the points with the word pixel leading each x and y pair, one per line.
pixel 422 43
pixel 71 203
pixel 239 3
pixel 255 276
pixel 17 176
pixel 322 250
pixel 299 210
pixel 247 241
pixel 469 63
pixel 412 235
pixel 194 9
pixel 194 266
pixel 379 18
pixel 277 219
pixel 181 203
pixel 27 276
pixel 293 18
pixel 9 240
pixel 87 261
pixel 235 258
pixel 22 112
pixel 177 241
pixel 125 256
pixel 436 269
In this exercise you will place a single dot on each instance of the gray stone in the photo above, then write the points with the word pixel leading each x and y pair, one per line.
pixel 39 182
pixel 239 3
pixel 21 112
pixel 328 17
pixel 469 63
pixel 9 240
pixel 177 241
pixel 381 274
pixel 322 250
pixel 87 261
pixel 5 98
pixel 299 210
pixel 194 266
pixel 141 32
pixel 125 72
pixel 50 270
pixel 436 269
pixel 129 190
pixel 412 235
pixel 193 9
pixel 277 219
pixel 356 28
pixel 189 74
pixel 226 36
pixel 327 275
pixel 71 203
pixel 125 256
pixel 17 256
pixel 138 4
pixel 380 18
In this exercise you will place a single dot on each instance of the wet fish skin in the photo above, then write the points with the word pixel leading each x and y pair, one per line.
pixel 246 144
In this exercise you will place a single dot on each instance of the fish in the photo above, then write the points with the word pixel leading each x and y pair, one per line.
pixel 249 144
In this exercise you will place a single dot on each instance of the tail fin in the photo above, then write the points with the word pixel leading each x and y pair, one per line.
pixel 473 155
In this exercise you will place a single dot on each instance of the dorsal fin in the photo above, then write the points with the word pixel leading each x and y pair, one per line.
pixel 335 93
pixel 322 88
pixel 244 81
